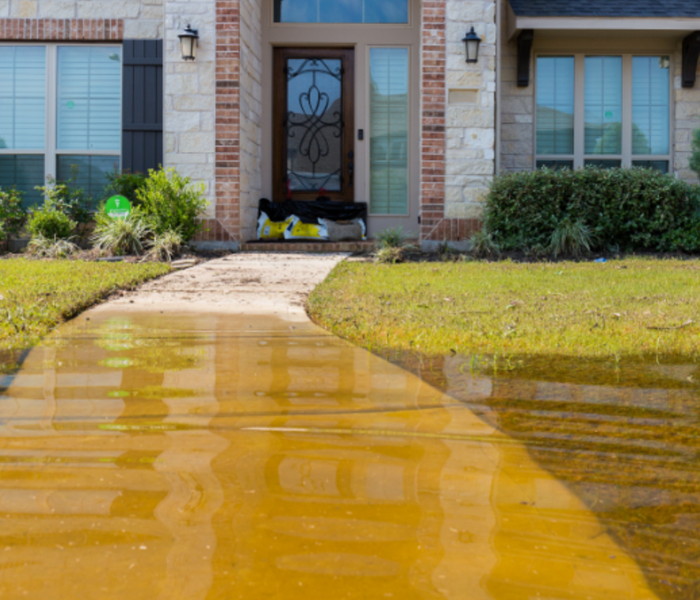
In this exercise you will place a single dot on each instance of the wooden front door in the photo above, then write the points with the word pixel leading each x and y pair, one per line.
pixel 313 124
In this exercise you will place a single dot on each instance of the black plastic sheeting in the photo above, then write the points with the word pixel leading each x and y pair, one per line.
pixel 311 211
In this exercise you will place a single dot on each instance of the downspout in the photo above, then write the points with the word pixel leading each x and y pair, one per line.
pixel 499 33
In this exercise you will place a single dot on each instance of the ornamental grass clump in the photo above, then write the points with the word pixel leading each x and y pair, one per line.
pixel 121 236
pixel 42 247
pixel 165 246
pixel 630 209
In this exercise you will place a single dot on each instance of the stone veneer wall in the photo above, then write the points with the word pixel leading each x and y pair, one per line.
pixel 189 95
pixel 458 132
pixel 142 19
pixel 251 116
pixel 686 119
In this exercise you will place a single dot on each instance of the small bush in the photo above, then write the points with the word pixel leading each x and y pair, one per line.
pixel 172 203
pixel 43 247
pixel 3 234
pixel 633 209
pixel 121 236
pixel 392 238
pixel 50 223
pixel 124 183
pixel 12 214
pixel 66 197
pixel 483 244
pixel 165 245
pixel 389 255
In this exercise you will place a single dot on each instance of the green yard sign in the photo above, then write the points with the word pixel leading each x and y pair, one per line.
pixel 118 207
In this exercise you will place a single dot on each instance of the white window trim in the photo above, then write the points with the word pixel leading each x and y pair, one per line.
pixel 579 157
pixel 50 152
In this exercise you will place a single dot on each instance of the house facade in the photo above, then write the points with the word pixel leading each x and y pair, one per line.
pixel 359 100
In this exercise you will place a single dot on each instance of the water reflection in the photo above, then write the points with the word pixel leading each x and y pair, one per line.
pixel 228 457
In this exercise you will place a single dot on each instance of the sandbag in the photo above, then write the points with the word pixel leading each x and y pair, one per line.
pixel 311 211
pixel 298 230
pixel 271 230
pixel 344 232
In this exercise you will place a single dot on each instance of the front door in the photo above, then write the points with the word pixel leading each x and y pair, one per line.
pixel 313 124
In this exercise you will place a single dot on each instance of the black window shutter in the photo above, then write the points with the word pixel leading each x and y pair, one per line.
pixel 142 105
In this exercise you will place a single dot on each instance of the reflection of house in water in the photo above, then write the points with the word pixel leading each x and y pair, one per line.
pixel 255 462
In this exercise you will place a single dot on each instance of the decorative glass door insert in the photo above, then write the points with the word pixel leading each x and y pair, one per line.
pixel 313 117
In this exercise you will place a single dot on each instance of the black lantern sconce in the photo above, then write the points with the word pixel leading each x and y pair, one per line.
pixel 472 41
pixel 189 42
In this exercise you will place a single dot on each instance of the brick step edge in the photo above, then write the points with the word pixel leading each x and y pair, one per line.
pixel 318 247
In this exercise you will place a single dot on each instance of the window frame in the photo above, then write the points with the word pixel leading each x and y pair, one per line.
pixel 50 151
pixel 409 148
pixel 274 23
pixel 626 158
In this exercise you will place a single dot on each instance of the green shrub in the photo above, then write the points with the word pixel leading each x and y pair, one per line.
pixel 172 203
pixel 67 197
pixel 124 183
pixel 3 233
pixel 484 245
pixel 632 209
pixel 392 238
pixel 695 156
pixel 121 236
pixel 50 223
pixel 12 214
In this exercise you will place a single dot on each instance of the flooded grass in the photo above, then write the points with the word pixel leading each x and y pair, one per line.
pixel 623 308
pixel 36 296
pixel 625 440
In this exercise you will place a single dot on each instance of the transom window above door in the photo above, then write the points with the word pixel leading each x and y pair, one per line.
pixel 604 111
pixel 341 11
pixel 60 116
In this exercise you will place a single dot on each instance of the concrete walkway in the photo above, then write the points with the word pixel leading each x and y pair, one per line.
pixel 243 283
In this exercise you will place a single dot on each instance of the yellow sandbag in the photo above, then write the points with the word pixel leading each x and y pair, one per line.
pixel 271 230
pixel 305 231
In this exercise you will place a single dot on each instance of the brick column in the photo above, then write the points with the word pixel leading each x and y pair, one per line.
pixel 227 170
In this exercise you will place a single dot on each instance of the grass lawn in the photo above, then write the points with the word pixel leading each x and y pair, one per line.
pixel 629 307
pixel 35 296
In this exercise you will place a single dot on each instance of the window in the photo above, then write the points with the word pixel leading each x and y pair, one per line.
pixel 60 115
pixel 388 120
pixel 341 11
pixel 604 111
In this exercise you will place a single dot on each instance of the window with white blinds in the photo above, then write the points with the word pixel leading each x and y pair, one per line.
pixel 60 116
pixel 388 120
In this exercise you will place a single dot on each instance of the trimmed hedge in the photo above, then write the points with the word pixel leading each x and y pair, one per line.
pixel 625 209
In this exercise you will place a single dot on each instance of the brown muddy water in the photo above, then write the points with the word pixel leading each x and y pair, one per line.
pixel 203 457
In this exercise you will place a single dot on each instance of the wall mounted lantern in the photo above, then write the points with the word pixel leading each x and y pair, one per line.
pixel 472 41
pixel 189 41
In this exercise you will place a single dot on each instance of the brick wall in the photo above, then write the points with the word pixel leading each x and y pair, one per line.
pixel 139 19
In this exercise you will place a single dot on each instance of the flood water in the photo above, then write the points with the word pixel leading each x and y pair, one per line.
pixel 202 457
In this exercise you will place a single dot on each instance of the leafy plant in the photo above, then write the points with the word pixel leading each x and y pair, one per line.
pixel 124 183
pixel 165 245
pixel 50 223
pixel 392 238
pixel 571 237
pixel 44 247
pixel 3 233
pixel 121 236
pixel 389 255
pixel 634 209
pixel 67 197
pixel 172 203
pixel 12 214
pixel 484 245
pixel 695 156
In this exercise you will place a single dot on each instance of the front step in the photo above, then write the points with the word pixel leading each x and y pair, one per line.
pixel 363 246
